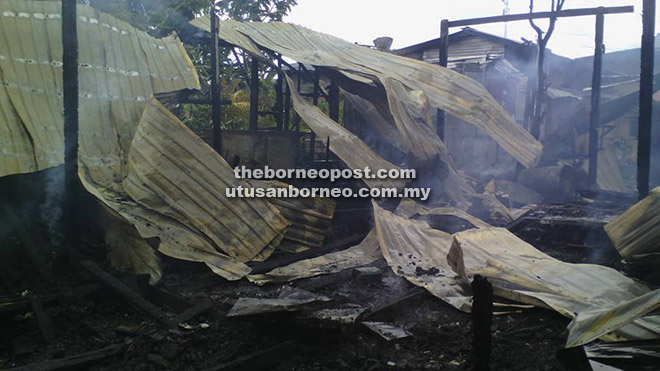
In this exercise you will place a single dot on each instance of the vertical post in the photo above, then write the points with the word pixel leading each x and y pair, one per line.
pixel 482 319
pixel 215 83
pixel 254 94
pixel 70 97
pixel 287 107
pixel 315 101
pixel 279 99
pixel 333 102
pixel 645 98
pixel 443 59
pixel 595 98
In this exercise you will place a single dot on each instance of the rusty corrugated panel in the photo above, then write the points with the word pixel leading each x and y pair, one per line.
pixel 173 190
pixel 366 252
pixel 191 179
pixel 444 89
pixel 636 232
pixel 310 217
pixel 347 146
pixel 121 67
pixel 444 264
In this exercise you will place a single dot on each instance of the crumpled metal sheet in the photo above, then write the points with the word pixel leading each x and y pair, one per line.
pixel 310 217
pixel 366 252
pixel 408 208
pixel 289 300
pixel 444 264
pixel 191 179
pixel 440 87
pixel 346 145
pixel 418 253
pixel 120 69
pixel 591 325
pixel 520 272
pixel 635 233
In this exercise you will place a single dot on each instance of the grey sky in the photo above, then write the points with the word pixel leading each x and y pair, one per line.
pixel 413 21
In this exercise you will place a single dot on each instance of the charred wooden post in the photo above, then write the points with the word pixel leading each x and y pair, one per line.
pixel 443 59
pixel 70 97
pixel 645 98
pixel 315 101
pixel 482 319
pixel 327 149
pixel 254 94
pixel 333 101
pixel 279 99
pixel 216 107
pixel 287 107
pixel 595 98
pixel 129 294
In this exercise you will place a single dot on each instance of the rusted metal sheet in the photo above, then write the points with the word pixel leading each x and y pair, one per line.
pixel 120 69
pixel 444 89
pixel 366 252
pixel 191 179
pixel 347 146
pixel 310 217
pixel 636 232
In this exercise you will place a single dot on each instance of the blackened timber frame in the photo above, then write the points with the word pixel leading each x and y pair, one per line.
pixel 599 12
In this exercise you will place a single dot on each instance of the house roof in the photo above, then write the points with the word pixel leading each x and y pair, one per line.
pixel 465 32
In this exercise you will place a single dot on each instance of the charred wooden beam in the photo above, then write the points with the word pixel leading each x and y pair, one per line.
pixel 443 58
pixel 279 98
pixel 216 106
pixel 70 97
pixel 595 98
pixel 482 319
pixel 254 94
pixel 645 98
pixel 127 293
pixel 77 361
pixel 45 323
pixel 527 16
pixel 193 312
pixel 263 359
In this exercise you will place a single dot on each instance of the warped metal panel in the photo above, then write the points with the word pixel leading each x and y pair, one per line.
pixel 346 145
pixel 636 232
pixel 418 253
pixel 366 252
pixel 310 217
pixel 444 89
pixel 520 272
pixel 191 178
pixel 120 69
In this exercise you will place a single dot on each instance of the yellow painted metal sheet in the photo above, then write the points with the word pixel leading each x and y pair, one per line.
pixel 171 190
pixel 346 145
pixel 589 326
pixel 520 272
pixel 440 87
pixel 418 253
pixel 366 252
pixel 636 232
pixel 192 179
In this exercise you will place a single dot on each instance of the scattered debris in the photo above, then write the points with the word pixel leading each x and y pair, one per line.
pixel 387 331
pixel 289 300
